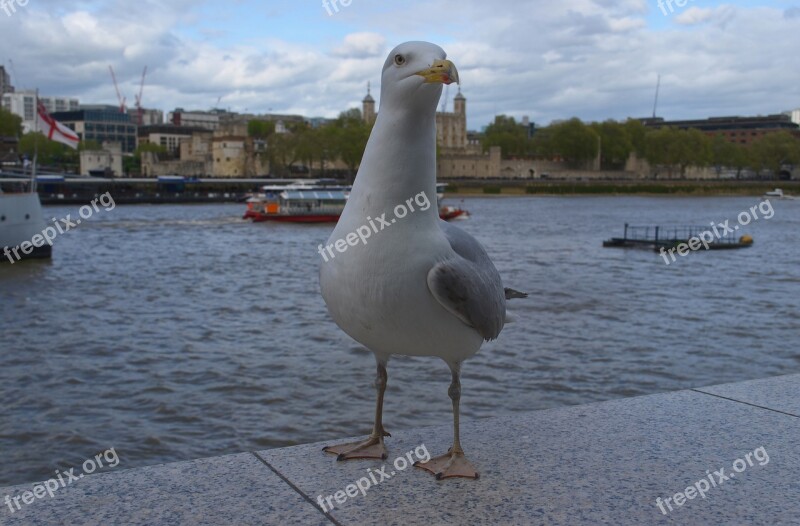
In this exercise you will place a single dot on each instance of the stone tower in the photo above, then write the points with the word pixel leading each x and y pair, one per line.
pixel 460 103
pixel 368 107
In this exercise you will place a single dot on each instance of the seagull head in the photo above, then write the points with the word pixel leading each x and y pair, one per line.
pixel 414 73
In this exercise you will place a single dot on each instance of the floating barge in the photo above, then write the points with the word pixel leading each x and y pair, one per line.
pixel 667 237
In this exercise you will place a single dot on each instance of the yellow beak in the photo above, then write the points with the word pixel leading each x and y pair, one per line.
pixel 442 71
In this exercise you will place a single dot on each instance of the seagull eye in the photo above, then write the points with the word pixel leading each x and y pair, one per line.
pixel 399 60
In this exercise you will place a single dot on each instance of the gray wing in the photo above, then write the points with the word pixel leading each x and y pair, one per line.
pixel 468 285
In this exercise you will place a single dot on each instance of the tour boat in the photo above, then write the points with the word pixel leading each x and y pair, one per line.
pixel 297 203
pixel 305 202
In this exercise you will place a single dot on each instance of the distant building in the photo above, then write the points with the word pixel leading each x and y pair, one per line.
pixel 318 122
pixel 167 135
pixel 794 115
pixel 470 164
pixel 237 156
pixel 101 123
pixel 194 159
pixel 368 107
pixel 104 162
pixel 741 130
pixel 152 117
pixel 23 103
pixel 451 127
pixel 9 151
pixel 5 82
pixel 208 120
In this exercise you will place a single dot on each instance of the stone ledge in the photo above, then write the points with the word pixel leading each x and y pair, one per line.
pixel 603 463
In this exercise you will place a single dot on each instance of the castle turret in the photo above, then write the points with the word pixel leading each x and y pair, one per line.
pixel 460 103
pixel 368 107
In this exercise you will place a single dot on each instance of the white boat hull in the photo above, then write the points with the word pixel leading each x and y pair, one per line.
pixel 21 218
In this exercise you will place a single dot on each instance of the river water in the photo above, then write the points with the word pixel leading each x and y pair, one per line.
pixel 177 332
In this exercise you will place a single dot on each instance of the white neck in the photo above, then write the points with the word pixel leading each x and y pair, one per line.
pixel 399 162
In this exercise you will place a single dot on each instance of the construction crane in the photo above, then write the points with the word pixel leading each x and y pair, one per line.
pixel 120 98
pixel 139 111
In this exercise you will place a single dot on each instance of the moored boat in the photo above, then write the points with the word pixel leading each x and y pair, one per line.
pixel 777 194
pixel 21 221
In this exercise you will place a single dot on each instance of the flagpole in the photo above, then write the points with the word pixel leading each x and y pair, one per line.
pixel 35 141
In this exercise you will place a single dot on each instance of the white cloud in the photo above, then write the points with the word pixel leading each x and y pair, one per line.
pixel 362 45
pixel 594 59
pixel 698 15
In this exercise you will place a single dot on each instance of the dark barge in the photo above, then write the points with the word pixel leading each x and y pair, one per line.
pixel 667 237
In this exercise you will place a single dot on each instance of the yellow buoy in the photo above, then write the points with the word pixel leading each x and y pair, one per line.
pixel 746 240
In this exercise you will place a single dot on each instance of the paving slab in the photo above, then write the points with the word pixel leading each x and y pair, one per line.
pixel 234 489
pixel 720 455
pixel 780 393
pixel 603 463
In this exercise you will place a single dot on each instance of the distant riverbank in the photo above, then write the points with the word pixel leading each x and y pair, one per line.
pixel 126 191
pixel 676 188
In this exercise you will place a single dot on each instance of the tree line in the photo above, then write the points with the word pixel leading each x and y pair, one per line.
pixel 574 142
pixel 671 149
pixel 345 139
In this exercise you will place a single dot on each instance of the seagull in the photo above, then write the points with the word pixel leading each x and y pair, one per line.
pixel 416 285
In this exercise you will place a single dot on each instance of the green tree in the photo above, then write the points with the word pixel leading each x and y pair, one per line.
pixel 636 134
pixel 774 150
pixel 615 144
pixel 677 149
pixel 281 151
pixel 351 137
pixel 260 129
pixel 49 152
pixel 696 147
pixel 510 136
pixel 10 124
pixel 574 141
pixel 727 154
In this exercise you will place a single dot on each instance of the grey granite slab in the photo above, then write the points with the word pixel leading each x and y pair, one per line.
pixel 781 393
pixel 234 489
pixel 603 463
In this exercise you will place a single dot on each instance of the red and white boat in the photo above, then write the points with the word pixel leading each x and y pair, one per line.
pixel 449 212
pixel 297 203
pixel 304 202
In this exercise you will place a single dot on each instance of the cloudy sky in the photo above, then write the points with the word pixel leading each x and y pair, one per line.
pixel 593 59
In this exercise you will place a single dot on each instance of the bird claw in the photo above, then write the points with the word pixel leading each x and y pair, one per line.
pixel 449 465
pixel 372 448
